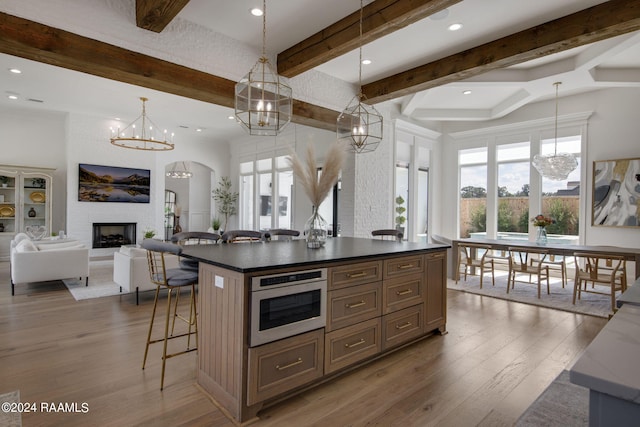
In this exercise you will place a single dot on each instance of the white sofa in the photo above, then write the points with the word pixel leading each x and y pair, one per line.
pixel 131 270
pixel 40 261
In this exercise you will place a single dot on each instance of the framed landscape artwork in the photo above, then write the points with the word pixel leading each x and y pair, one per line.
pixel 616 193
pixel 113 184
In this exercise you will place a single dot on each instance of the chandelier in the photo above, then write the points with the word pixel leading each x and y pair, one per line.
pixel 179 170
pixel 556 166
pixel 263 99
pixel 141 134
pixel 360 124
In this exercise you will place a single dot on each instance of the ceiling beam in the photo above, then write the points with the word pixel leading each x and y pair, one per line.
pixel 380 18
pixel 608 19
pixel 38 42
pixel 155 15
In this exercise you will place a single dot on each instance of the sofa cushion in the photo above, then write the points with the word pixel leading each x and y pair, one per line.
pixel 20 237
pixel 59 246
pixel 132 251
pixel 26 245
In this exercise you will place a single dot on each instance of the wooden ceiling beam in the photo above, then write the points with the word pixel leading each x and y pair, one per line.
pixel 155 15
pixel 608 19
pixel 38 42
pixel 380 18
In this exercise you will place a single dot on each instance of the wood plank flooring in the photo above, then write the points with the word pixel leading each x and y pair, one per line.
pixel 496 359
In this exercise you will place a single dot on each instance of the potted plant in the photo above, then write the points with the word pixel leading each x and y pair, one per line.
pixel 400 210
pixel 4 180
pixel 215 224
pixel 225 199
pixel 149 233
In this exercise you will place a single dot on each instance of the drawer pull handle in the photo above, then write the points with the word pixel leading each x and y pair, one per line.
pixel 403 326
pixel 405 266
pixel 290 365
pixel 355 344
pixel 405 292
pixel 355 304
pixel 356 275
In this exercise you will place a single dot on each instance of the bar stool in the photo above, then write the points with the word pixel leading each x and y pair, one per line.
pixel 391 232
pixel 171 279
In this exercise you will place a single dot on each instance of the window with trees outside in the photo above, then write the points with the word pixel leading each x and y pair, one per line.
pixel 473 191
pixel 515 203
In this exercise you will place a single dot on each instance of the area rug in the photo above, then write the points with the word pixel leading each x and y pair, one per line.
pixel 561 404
pixel 10 418
pixel 101 284
pixel 559 298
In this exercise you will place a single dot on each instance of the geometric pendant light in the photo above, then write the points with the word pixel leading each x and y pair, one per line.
pixel 141 134
pixel 360 124
pixel 556 166
pixel 263 99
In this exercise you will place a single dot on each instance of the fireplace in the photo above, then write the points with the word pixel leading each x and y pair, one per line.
pixel 113 234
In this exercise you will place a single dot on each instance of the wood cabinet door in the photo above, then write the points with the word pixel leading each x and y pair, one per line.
pixel 352 305
pixel 283 365
pixel 349 345
pixel 402 292
pixel 354 274
pixel 402 326
pixel 436 291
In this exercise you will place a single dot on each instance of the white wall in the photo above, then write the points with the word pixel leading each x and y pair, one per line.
pixel 613 131
pixel 34 138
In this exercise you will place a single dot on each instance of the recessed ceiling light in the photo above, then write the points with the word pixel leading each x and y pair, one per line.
pixel 366 61
pixel 455 27
pixel 231 117
pixel 466 92
pixel 199 130
pixel 256 11
pixel 12 96
pixel 15 71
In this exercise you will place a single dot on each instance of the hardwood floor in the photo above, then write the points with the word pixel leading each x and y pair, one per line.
pixel 496 359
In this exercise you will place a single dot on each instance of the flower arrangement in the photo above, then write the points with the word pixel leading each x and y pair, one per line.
pixel 318 189
pixel 542 221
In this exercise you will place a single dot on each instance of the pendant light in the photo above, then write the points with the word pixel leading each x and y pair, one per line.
pixel 179 171
pixel 141 134
pixel 263 99
pixel 360 124
pixel 556 166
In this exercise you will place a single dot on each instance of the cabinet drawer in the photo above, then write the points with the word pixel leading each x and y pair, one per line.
pixel 352 305
pixel 402 326
pixel 355 274
pixel 402 292
pixel 284 365
pixel 351 344
pixel 401 266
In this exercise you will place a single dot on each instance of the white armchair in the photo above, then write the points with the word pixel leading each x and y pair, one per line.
pixel 34 261
pixel 131 270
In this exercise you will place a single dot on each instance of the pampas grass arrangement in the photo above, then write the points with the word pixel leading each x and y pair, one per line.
pixel 317 189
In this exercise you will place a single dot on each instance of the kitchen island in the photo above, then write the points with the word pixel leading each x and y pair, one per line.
pixel 375 296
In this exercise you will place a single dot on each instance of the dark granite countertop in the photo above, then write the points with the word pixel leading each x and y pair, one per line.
pixel 263 256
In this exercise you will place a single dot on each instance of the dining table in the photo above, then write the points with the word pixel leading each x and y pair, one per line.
pixel 629 254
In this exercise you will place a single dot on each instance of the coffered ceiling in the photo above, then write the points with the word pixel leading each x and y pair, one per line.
pixel 508 53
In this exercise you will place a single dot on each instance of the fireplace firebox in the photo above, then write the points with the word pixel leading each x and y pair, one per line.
pixel 113 234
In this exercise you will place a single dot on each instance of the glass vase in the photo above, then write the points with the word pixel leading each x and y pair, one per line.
pixel 541 236
pixel 316 230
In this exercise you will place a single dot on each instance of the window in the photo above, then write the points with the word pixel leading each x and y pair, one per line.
pixel 561 199
pixel 513 189
pixel 473 191
pixel 271 205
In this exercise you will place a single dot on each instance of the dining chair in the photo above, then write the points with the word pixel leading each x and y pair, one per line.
pixel 281 234
pixel 241 236
pixel 185 238
pixel 529 261
pixel 472 256
pixel 390 232
pixel 557 263
pixel 599 269
pixel 172 279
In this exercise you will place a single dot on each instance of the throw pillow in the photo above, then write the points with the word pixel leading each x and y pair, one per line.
pixel 26 246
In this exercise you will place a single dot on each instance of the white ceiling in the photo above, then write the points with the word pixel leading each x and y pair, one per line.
pixel 611 63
